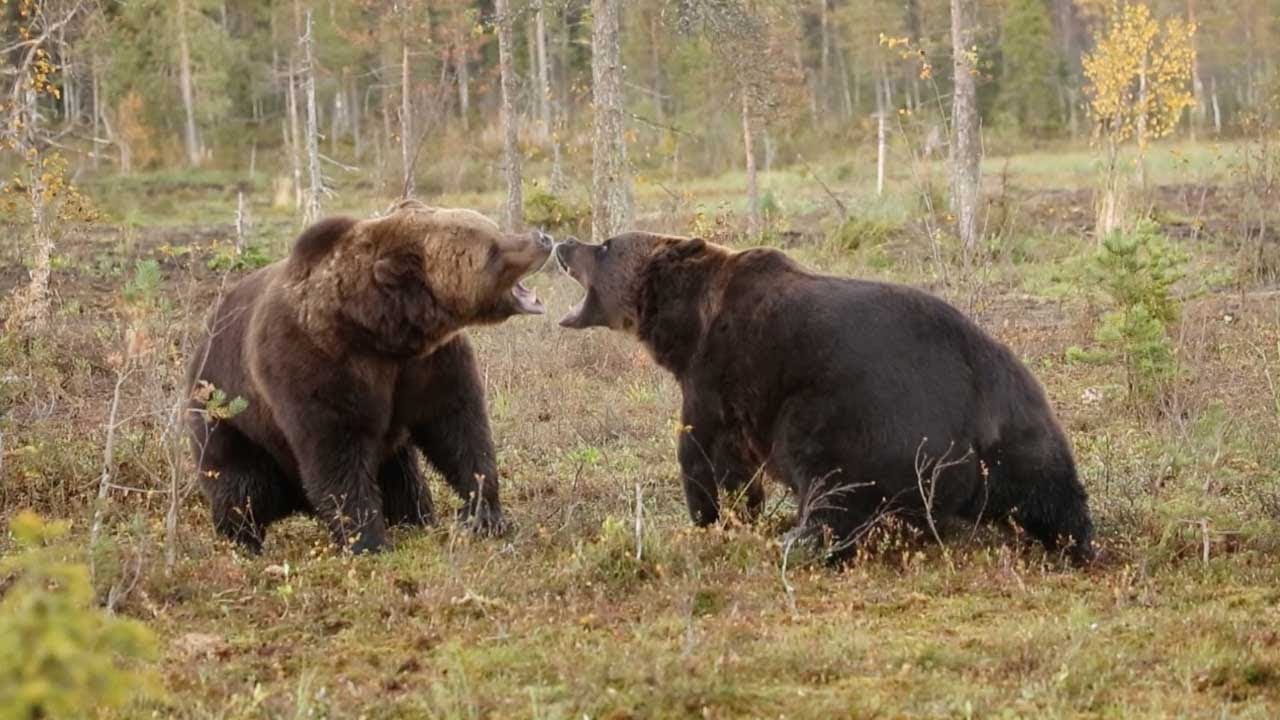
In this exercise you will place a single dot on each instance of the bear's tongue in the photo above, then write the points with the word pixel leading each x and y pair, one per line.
pixel 527 300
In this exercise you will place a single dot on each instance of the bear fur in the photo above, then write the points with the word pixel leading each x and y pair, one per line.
pixel 865 398
pixel 350 355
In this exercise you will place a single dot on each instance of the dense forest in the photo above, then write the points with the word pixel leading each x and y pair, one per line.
pixel 138 85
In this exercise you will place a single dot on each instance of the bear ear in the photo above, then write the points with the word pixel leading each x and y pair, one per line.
pixel 397 315
pixel 319 239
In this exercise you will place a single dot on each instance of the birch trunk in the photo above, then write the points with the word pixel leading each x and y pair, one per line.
pixel 544 73
pixel 30 306
pixel 513 215
pixel 824 59
pixel 295 127
pixel 295 134
pixel 1217 108
pixel 315 185
pixel 1199 112
pixel 882 128
pixel 1143 109
pixel 464 78
pixel 754 224
pixel 966 142
pixel 190 137
pixel 406 120
pixel 97 110
pixel 611 184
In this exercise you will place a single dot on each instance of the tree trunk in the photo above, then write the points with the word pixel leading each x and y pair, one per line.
pixel 656 38
pixel 513 215
pixel 966 141
pixel 337 118
pixel 315 185
pixel 564 43
pixel 1217 108
pixel 1199 110
pixel 70 94
pixel 882 127
pixel 126 152
pixel 544 74
pixel 824 57
pixel 611 184
pixel 464 78
pixel 190 138
pixel 531 47
pixel 754 225
pixel 295 126
pixel 97 109
pixel 357 139
pixel 29 308
pixel 406 120
pixel 770 150
pixel 1143 109
pixel 295 134
pixel 845 93
pixel 384 143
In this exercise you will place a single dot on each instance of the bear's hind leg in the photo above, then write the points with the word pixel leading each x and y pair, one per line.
pixel 405 497
pixel 246 489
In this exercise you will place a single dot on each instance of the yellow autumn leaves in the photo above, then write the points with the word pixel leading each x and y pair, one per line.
pixel 1139 74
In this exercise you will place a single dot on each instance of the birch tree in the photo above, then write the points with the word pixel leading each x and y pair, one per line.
pixel 1139 76
pixel 513 216
pixel 544 72
pixel 40 182
pixel 966 141
pixel 190 135
pixel 315 187
pixel 610 176
pixel 763 76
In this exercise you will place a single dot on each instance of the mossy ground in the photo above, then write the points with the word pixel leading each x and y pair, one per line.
pixel 1180 618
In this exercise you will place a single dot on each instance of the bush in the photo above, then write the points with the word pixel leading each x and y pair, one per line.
pixel 855 233
pixel 555 214
pixel 226 258
pixel 1136 271
pixel 59 655
pixel 610 561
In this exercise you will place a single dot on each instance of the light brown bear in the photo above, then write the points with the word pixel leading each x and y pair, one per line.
pixel 351 356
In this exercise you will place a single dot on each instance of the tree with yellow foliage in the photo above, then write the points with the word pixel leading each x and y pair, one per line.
pixel 40 187
pixel 1139 85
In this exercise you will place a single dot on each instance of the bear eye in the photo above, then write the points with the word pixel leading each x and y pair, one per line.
pixel 605 247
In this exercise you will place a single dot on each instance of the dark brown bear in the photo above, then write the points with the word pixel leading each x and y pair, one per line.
pixel 350 355
pixel 863 397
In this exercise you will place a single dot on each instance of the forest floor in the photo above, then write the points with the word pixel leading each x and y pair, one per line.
pixel 584 612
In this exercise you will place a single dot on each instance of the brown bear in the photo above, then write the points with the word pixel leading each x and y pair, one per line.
pixel 865 398
pixel 351 357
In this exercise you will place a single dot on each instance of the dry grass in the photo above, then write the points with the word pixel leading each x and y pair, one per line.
pixel 560 619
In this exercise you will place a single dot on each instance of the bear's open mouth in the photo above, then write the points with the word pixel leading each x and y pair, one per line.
pixel 527 300
pixel 571 318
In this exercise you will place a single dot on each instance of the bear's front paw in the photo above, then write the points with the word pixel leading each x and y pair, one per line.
pixel 485 520
pixel 367 542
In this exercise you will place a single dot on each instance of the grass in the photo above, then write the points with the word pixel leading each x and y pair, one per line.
pixel 560 619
